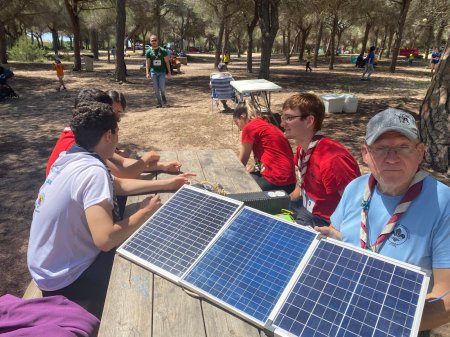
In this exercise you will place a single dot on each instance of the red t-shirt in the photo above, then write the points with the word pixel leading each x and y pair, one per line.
pixel 65 142
pixel 330 168
pixel 272 149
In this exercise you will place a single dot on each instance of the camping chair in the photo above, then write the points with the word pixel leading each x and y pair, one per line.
pixel 221 88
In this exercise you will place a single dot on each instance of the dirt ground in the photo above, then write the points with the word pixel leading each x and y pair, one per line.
pixel 30 125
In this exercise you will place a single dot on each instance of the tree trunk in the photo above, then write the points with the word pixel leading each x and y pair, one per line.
pixel 399 34
pixel 75 20
pixel 440 32
pixel 333 33
pixel 305 34
pixel 428 42
pixel 250 28
pixel 366 36
pixel 93 40
pixel 391 36
pixel 219 43
pixel 268 23
pixel 434 117
pixel 55 40
pixel 317 45
pixel 157 18
pixel 383 42
pixel 121 71
pixel 3 55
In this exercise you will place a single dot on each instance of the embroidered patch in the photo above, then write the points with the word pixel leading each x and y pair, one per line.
pixel 399 235
pixel 39 201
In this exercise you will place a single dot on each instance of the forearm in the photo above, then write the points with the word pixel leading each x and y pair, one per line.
pixel 128 168
pixel 436 313
pixel 139 186
pixel 123 229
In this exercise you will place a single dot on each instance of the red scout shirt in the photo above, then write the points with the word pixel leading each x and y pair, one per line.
pixel 65 142
pixel 272 149
pixel 330 168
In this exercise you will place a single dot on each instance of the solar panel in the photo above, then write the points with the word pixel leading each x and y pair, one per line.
pixel 347 292
pixel 172 239
pixel 248 267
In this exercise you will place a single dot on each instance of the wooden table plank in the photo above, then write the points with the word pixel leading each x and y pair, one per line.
pixel 219 323
pixel 175 313
pixel 128 306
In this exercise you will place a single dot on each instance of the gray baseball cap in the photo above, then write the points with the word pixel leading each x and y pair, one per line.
pixel 391 120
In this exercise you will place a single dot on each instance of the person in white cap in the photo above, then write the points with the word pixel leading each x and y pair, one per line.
pixel 404 213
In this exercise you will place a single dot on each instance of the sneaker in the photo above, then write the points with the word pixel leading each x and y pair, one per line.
pixel 164 99
pixel 363 79
pixel 159 106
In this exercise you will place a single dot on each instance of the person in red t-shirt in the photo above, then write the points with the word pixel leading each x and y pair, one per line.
pixel 274 166
pixel 325 167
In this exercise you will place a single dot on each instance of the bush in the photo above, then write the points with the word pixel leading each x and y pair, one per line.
pixel 24 50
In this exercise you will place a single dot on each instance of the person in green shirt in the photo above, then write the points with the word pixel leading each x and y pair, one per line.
pixel 157 66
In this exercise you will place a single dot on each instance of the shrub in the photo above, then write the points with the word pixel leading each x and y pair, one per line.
pixel 24 50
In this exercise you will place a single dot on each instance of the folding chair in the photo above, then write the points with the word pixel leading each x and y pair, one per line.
pixel 221 88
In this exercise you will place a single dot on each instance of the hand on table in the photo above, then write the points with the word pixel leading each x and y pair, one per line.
pixel 171 166
pixel 329 232
pixel 150 204
pixel 180 180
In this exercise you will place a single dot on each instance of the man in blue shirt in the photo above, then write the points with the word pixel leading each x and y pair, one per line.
pixel 370 60
pixel 404 213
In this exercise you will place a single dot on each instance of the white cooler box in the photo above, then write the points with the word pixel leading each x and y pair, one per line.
pixel 350 103
pixel 333 103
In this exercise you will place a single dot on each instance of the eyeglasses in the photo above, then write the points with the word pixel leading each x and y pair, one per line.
pixel 383 151
pixel 290 118
pixel 153 40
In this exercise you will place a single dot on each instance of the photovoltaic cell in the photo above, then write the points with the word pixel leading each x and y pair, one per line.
pixel 342 292
pixel 175 236
pixel 250 264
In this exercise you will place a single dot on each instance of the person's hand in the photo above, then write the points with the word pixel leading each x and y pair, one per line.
pixel 150 157
pixel 329 231
pixel 147 76
pixel 169 76
pixel 171 166
pixel 180 180
pixel 150 204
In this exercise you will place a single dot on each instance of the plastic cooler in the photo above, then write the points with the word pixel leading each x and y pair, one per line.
pixel 333 103
pixel 350 103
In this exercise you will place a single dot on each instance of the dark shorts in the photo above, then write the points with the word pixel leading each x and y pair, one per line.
pixel 89 289
pixel 267 186
pixel 303 217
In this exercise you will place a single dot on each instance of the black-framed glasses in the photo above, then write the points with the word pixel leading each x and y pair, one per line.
pixel 290 118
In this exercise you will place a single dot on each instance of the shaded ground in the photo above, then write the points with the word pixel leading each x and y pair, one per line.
pixel 31 124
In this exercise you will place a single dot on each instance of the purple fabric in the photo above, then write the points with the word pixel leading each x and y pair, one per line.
pixel 53 316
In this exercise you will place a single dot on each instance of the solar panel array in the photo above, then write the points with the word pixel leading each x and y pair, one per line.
pixel 250 264
pixel 342 292
pixel 278 275
pixel 177 234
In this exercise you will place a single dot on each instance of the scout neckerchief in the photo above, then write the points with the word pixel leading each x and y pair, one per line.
pixel 413 191
pixel 304 156
pixel 79 149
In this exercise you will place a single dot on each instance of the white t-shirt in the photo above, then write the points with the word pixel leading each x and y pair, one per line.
pixel 61 247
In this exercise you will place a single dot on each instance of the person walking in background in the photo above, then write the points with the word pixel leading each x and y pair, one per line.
pixel 274 160
pixel 435 57
pixel 370 60
pixel 59 68
pixel 410 59
pixel 226 57
pixel 308 59
pixel 156 66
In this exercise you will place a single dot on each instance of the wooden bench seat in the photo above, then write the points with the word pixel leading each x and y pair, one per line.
pixel 32 291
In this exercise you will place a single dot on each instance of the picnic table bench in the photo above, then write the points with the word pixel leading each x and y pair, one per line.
pixel 141 303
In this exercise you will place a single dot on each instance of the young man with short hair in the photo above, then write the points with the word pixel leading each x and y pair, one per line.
pixel 325 167
pixel 75 223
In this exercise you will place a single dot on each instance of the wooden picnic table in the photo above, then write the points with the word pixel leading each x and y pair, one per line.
pixel 140 303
